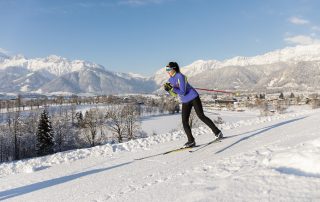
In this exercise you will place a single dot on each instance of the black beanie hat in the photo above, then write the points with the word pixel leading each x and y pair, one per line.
pixel 173 65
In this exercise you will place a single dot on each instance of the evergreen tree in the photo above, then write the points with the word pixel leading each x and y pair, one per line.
pixel 281 96
pixel 292 95
pixel 45 134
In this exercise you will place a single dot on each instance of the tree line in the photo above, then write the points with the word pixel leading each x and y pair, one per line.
pixel 49 129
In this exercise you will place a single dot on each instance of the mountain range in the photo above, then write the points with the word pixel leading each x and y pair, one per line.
pixel 55 74
pixel 294 68
pixel 291 68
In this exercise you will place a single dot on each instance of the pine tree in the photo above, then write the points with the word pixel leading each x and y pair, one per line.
pixel 281 96
pixel 292 95
pixel 45 134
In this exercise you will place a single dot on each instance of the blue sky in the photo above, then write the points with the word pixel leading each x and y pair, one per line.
pixel 141 36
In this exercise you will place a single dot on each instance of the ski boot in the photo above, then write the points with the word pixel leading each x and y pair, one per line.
pixel 189 144
pixel 219 136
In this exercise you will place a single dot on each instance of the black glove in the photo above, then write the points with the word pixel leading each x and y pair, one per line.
pixel 167 87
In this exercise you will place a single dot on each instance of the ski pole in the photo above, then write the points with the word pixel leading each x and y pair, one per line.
pixel 213 90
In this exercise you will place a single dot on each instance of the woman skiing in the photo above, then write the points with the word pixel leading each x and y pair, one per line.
pixel 178 84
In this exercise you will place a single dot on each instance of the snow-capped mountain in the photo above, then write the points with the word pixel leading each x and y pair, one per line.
pixel 3 56
pixel 292 67
pixel 286 55
pixel 98 81
pixel 55 65
pixel 299 76
pixel 58 74
pixel 195 68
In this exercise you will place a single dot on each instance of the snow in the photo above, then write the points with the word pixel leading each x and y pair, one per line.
pixel 273 158
pixel 24 88
pixel 130 76
pixel 288 54
pixel 56 65
pixel 302 160
pixel 135 75
pixel 272 82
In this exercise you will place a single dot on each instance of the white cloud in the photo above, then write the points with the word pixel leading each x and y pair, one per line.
pixel 301 40
pixel 298 21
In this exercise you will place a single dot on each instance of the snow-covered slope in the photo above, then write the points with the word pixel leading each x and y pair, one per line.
pixel 262 159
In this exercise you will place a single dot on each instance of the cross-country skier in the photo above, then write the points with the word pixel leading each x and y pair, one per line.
pixel 178 85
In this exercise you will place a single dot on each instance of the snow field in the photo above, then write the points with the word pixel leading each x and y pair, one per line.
pixel 303 159
pixel 263 159
pixel 35 164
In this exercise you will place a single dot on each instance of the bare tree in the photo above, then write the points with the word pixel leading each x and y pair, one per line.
pixel 131 119
pixel 5 144
pixel 29 138
pixel 60 100
pixel 116 121
pixel 2 143
pixel 262 105
pixel 102 125
pixel 315 103
pixel 19 102
pixel 14 124
pixel 91 124
pixel 73 112
pixel 60 126
pixel 281 106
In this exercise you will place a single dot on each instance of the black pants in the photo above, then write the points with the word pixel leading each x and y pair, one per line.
pixel 186 110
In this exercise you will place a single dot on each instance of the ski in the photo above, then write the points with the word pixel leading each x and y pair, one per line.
pixel 206 144
pixel 183 149
pixel 167 152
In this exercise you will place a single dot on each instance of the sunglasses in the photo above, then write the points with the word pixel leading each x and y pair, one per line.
pixel 168 69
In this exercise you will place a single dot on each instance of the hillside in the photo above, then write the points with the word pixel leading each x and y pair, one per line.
pixel 262 159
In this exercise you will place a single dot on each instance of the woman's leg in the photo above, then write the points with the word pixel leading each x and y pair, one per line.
pixel 186 110
pixel 199 110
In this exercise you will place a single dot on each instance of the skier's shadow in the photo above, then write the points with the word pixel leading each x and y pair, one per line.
pixel 259 131
pixel 52 182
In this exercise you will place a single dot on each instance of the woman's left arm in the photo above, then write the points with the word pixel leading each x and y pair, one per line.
pixel 182 89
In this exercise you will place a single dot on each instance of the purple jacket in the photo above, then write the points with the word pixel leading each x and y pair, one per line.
pixel 181 87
